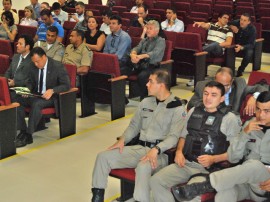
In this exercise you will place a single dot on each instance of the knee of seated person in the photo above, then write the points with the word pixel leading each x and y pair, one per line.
pixel 255 165
pixel 156 179
pixel 104 155
pixel 249 52
pixel 143 168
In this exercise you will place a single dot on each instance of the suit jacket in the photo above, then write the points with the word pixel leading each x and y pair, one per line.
pixel 22 73
pixel 235 97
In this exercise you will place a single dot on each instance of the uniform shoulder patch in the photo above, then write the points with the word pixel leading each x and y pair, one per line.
pixel 88 48
pixel 61 44
pixel 173 104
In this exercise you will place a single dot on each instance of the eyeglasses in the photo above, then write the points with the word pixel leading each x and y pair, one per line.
pixel 266 111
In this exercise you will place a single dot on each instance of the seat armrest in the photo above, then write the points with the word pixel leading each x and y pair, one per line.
pixel 69 91
pixel 259 40
pixel 200 53
pixel 10 106
pixel 123 77
pixel 166 62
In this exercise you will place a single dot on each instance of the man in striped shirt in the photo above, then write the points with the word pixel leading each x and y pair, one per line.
pixel 219 35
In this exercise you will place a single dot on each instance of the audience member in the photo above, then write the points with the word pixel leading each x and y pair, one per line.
pixel 79 15
pixel 36 7
pixel 65 5
pixel 7 7
pixel 139 3
pixel 105 27
pixel 18 71
pixel 77 53
pixel 46 79
pixel 44 5
pixel 59 13
pixel 118 42
pixel 219 35
pixel 48 21
pixel 245 36
pixel 158 133
pixel 146 56
pixel 94 38
pixel 83 24
pixel 172 23
pixel 251 179
pixel 142 18
pixel 203 143
pixel 8 30
pixel 51 46
pixel 29 17
pixel 235 90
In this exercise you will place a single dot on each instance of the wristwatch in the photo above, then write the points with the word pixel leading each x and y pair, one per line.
pixel 157 147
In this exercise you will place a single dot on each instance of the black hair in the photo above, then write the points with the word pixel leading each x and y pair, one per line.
pixel 80 3
pixel 46 12
pixel 173 9
pixel 225 69
pixel 9 17
pixel 144 7
pixel 28 40
pixel 217 85
pixel 8 0
pixel 56 6
pixel 221 14
pixel 37 50
pixel 53 29
pixel 107 13
pixel 116 17
pixel 264 97
pixel 79 33
pixel 248 16
pixel 163 76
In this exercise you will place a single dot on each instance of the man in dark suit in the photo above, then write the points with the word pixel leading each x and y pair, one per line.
pixel 18 70
pixel 45 79
pixel 236 90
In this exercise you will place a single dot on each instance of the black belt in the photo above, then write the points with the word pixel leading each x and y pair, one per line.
pixel 149 144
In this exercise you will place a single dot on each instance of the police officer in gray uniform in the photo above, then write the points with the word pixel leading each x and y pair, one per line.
pixel 250 180
pixel 51 46
pixel 159 119
pixel 203 143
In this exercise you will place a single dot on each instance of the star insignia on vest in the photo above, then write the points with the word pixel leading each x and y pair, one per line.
pixel 175 103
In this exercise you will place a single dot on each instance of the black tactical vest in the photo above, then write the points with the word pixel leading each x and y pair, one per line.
pixel 204 135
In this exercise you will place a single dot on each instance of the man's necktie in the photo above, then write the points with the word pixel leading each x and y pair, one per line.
pixel 41 81
pixel 19 66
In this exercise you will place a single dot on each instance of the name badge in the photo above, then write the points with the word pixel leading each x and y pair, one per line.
pixel 210 120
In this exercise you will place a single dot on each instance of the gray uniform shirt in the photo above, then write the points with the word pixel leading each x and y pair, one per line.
pixel 157 122
pixel 55 51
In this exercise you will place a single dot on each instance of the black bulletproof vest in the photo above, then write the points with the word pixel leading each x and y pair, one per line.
pixel 204 135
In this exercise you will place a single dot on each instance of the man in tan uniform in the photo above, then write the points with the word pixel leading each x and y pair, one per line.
pixel 77 53
pixel 51 46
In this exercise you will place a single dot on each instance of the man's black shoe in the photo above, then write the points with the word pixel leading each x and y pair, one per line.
pixel 20 135
pixel 98 195
pixel 190 191
pixel 23 139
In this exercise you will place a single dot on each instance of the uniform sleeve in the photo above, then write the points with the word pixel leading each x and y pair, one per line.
pixel 231 125
pixel 176 127
pixel 59 54
pixel 87 57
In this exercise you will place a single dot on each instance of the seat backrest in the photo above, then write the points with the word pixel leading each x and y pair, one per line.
pixel 265 23
pixel 6 48
pixel 168 51
pixel 135 41
pixel 256 77
pixel 4 63
pixel 171 36
pixel 72 72
pixel 202 7
pixel 188 41
pixel 120 9
pixel 182 6
pixel 126 22
pixel 245 9
pixel 162 4
pixel 258 29
pixel 160 12
pixel 129 15
pixel 197 30
pixel 68 25
pixel 4 92
pixel 135 31
pixel 106 63
pixel 29 30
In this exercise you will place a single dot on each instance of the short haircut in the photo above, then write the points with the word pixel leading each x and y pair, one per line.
pixel 80 3
pixel 154 23
pixel 33 15
pixel 95 20
pixel 163 76
pixel 79 33
pixel 9 17
pixel 56 6
pixel 264 97
pixel 116 17
pixel 46 12
pixel 10 1
pixel 144 7
pixel 37 50
pixel 53 29
pixel 247 15
pixel 107 13
pixel 220 15
pixel 225 69
pixel 28 40
pixel 173 9
pixel 217 85
pixel 46 3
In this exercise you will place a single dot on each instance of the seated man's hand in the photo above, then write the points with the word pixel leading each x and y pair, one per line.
pixel 135 59
pixel 250 107
pixel 179 158
pixel 253 125
pixel 48 94
pixel 234 29
pixel 118 145
pixel 140 20
pixel 11 83
pixel 237 48
pixel 206 160
pixel 265 185
pixel 151 156
pixel 82 70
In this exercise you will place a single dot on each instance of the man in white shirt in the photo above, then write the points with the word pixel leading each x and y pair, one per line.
pixel 172 23
pixel 61 15
pixel 134 9
pixel 79 15
pixel 105 27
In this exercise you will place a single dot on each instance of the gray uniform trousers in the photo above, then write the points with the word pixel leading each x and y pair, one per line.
pixel 171 175
pixel 240 182
pixel 129 158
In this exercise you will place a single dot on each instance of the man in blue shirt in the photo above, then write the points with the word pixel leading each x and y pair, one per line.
pixel 118 42
pixel 48 21
pixel 36 7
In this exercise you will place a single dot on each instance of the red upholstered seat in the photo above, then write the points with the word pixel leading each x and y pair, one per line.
pixel 4 63
pixel 6 48
pixel 125 173
pixel 135 31
pixel 4 92
pixel 29 30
